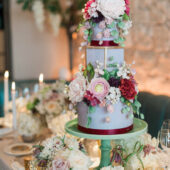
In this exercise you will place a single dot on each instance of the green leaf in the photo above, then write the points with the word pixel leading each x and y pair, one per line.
pixel 89 121
pixel 137 104
pixel 30 106
pixel 113 73
pixel 89 39
pixel 114 33
pixel 91 109
pixel 124 110
pixel 125 17
pixel 122 99
pixel 85 73
pixel 121 25
pixel 106 75
pixel 112 25
pixel 86 32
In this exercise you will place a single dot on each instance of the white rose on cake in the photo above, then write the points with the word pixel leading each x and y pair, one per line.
pixel 111 8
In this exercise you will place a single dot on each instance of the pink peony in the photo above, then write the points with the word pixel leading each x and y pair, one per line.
pixel 106 33
pixel 99 87
pixel 99 35
pixel 77 89
pixel 102 25
pixel 60 164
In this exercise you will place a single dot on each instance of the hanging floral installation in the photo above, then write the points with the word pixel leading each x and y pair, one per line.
pixel 54 12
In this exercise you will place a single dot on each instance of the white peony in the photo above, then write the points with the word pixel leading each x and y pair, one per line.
pixel 111 8
pixel 78 160
pixel 113 168
pixel 77 88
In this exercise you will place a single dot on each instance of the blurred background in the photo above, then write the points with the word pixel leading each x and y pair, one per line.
pixel 35 40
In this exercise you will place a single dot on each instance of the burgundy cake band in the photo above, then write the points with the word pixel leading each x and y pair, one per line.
pixel 105 43
pixel 105 132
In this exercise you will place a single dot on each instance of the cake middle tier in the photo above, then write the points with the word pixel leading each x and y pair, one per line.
pixel 106 55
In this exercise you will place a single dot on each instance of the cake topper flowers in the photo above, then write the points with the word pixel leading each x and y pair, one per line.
pixel 106 20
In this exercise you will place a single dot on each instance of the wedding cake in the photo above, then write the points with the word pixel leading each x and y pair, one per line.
pixel 104 92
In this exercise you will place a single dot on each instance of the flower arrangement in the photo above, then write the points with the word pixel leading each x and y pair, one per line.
pixel 99 87
pixel 111 18
pixel 49 100
pixel 28 124
pixel 61 153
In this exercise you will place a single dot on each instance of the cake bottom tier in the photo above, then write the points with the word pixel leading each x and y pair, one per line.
pixel 102 122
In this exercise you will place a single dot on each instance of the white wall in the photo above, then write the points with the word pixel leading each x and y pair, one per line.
pixel 34 52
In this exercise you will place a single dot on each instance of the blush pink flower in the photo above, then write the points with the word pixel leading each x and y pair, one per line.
pixel 102 25
pixel 99 35
pixel 99 87
pixel 106 33
pixel 77 89
pixel 60 164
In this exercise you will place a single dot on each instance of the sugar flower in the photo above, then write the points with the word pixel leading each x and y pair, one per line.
pixel 77 89
pixel 102 25
pixel 124 71
pixel 111 9
pixel 127 89
pixel 99 87
pixel 107 33
pixel 114 95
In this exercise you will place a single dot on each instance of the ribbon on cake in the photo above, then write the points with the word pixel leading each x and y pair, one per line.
pixel 105 132
pixel 105 43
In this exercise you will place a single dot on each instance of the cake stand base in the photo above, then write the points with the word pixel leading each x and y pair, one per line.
pixel 140 127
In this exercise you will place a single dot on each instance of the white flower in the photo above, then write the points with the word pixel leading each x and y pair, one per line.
pixel 78 160
pixel 92 10
pixel 114 95
pixel 113 168
pixel 111 8
pixel 77 88
pixel 55 21
pixel 71 143
pixel 124 71
pixel 127 26
pixel 98 69
pixel 28 124
pixel 38 10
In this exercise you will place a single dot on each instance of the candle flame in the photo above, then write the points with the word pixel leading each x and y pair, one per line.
pixel 13 86
pixel 6 74
pixel 41 78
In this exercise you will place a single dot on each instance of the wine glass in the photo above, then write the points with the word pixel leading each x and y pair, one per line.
pixel 164 139
pixel 166 124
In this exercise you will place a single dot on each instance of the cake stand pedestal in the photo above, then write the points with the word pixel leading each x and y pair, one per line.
pixel 140 127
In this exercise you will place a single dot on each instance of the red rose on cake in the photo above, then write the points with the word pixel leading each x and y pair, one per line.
pixel 127 88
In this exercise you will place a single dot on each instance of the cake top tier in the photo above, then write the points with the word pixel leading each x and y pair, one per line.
pixel 106 22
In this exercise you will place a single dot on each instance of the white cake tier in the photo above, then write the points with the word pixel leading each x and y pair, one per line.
pixel 105 55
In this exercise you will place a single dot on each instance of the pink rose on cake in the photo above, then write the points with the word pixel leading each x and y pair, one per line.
pixel 77 89
pixel 99 87
pixel 111 8
pixel 60 164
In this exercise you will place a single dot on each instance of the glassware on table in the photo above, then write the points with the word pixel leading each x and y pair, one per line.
pixel 166 124
pixel 164 139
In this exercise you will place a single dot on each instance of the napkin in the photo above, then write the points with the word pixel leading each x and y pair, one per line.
pixel 17 166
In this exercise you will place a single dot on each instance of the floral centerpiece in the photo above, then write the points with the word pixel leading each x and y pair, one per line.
pixel 99 87
pixel 61 153
pixel 112 18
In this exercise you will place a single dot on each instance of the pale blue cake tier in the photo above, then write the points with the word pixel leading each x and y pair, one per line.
pixel 104 55
pixel 97 30
pixel 118 120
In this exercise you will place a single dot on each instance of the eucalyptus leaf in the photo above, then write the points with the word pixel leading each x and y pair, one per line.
pixel 142 116
pixel 114 33
pixel 91 109
pixel 121 25
pixel 125 17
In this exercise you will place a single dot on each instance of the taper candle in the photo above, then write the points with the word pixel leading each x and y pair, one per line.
pixel 6 91
pixel 13 93
pixel 41 80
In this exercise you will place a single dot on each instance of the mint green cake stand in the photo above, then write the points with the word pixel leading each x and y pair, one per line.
pixel 140 127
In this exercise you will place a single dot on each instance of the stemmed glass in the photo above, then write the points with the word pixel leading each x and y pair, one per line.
pixel 164 139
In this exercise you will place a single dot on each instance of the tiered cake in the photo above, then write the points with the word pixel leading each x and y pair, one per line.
pixel 104 92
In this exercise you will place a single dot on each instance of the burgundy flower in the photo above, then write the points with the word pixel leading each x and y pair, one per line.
pixel 99 18
pixel 127 7
pixel 127 89
pixel 114 82
pixel 89 99
pixel 116 157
